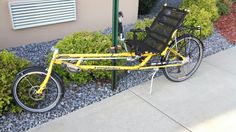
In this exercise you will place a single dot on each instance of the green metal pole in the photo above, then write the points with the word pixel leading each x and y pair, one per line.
pixel 115 37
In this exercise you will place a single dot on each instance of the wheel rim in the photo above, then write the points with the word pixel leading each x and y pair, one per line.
pixel 192 50
pixel 26 96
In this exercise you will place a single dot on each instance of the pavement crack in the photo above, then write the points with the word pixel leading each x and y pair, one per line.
pixel 168 116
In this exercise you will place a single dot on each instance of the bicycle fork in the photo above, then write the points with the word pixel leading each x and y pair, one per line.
pixel 49 72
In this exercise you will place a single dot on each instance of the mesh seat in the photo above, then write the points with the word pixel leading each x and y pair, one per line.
pixel 160 33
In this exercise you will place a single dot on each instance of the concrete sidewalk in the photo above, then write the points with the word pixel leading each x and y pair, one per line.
pixel 204 103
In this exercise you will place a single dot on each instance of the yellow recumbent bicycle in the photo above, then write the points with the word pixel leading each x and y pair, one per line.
pixel 38 89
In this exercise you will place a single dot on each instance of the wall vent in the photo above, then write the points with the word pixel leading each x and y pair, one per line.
pixel 33 13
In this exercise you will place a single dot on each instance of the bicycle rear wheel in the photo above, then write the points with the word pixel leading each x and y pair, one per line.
pixel 28 82
pixel 191 48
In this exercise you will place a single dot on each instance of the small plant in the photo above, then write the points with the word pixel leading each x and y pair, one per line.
pixel 10 65
pixel 224 6
pixel 85 43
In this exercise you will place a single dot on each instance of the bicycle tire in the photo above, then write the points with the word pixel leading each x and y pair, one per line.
pixel 33 71
pixel 194 69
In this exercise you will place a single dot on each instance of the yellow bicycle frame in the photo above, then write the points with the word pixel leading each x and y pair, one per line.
pixel 60 59
pixel 57 59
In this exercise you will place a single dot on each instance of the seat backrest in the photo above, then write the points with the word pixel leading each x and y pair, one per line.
pixel 162 29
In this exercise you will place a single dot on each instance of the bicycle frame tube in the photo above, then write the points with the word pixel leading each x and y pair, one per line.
pixel 140 66
pixel 61 59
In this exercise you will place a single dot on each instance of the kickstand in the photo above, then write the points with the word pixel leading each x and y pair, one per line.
pixel 153 75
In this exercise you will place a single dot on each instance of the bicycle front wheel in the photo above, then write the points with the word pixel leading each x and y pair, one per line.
pixel 189 47
pixel 28 82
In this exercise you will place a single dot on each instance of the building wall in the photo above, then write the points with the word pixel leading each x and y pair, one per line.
pixel 92 15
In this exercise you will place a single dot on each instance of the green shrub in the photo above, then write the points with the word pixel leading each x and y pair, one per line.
pixel 202 13
pixel 140 24
pixel 10 65
pixel 145 6
pixel 200 17
pixel 207 5
pixel 85 42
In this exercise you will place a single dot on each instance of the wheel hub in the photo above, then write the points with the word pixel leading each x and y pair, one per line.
pixel 33 94
pixel 187 60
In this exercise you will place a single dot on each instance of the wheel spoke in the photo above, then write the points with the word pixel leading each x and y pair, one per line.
pixel 29 81
pixel 192 50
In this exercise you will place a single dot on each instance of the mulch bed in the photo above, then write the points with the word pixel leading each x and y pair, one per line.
pixel 227 25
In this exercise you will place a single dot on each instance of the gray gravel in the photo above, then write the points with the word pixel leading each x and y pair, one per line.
pixel 35 53
pixel 77 97
pixel 215 43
